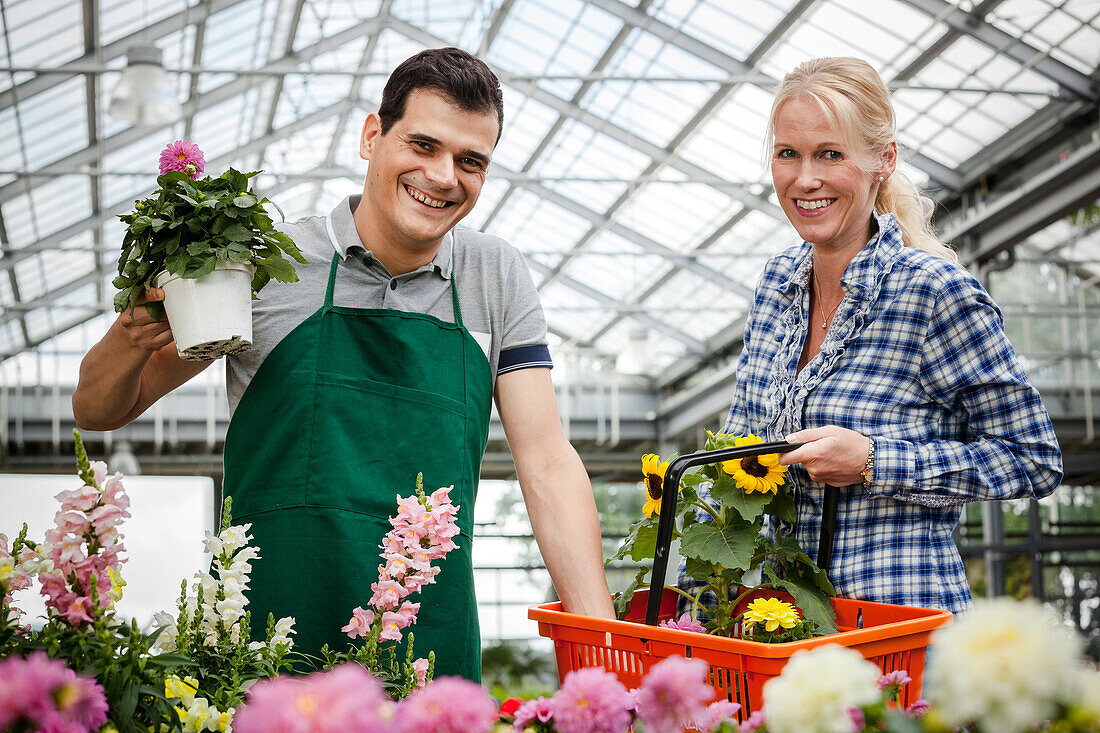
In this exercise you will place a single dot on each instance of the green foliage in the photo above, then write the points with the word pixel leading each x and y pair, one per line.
pixel 720 553
pixel 187 226
pixel 516 669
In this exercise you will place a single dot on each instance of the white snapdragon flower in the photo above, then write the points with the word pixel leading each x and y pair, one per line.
pixel 1008 663
pixel 1090 692
pixel 167 639
pixel 817 689
pixel 235 537
pixel 212 543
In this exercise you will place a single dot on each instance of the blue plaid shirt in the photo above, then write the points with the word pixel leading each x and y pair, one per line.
pixel 916 358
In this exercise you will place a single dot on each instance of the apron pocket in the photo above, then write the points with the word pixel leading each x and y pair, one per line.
pixel 393 433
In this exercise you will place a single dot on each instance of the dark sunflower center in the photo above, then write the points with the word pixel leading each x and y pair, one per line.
pixel 653 483
pixel 752 467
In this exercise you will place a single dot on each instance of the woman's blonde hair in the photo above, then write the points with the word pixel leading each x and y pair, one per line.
pixel 854 98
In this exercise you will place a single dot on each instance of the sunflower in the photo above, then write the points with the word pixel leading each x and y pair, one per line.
pixel 756 473
pixel 654 471
pixel 771 612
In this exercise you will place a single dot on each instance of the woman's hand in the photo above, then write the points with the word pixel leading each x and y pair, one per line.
pixel 831 454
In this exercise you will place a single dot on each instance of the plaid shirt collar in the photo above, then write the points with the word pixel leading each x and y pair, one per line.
pixel 864 273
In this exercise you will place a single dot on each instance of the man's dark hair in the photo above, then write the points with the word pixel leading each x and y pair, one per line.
pixel 461 77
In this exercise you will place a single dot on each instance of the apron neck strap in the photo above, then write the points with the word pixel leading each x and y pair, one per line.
pixel 331 279
pixel 454 299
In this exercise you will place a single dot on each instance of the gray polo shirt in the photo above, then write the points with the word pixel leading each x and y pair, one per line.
pixel 500 306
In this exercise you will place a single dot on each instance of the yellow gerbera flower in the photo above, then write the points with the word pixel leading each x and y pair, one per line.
pixel 654 471
pixel 756 473
pixel 771 612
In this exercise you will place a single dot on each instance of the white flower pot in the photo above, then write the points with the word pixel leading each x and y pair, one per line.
pixel 211 315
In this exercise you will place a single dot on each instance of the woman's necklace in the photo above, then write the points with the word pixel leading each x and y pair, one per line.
pixel 821 307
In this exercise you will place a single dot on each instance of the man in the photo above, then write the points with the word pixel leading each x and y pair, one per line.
pixel 380 363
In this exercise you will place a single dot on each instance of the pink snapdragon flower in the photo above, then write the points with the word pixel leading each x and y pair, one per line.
pixel 420 668
pixel 45 695
pixel 675 691
pixel 182 155
pixel 540 709
pixel 715 714
pixel 448 705
pixel 591 700
pixel 360 624
pixel 345 699
pixel 684 623
pixel 84 545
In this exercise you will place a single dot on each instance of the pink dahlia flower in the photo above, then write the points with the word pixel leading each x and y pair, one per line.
pixel 182 155
pixel 540 709
pixel 684 623
pixel 715 714
pixel 448 705
pixel 591 700
pixel 754 722
pixel 674 693
pixel 44 694
pixel 344 700
pixel 918 709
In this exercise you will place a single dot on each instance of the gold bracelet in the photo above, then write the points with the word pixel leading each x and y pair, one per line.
pixel 868 472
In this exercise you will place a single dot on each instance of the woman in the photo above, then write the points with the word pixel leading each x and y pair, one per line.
pixel 871 345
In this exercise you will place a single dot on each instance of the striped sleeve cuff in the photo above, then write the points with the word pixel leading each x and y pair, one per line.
pixel 524 357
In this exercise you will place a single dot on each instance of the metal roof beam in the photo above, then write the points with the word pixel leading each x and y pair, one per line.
pixel 215 96
pixel 1045 198
pixel 974 25
pixel 745 70
pixel 143 36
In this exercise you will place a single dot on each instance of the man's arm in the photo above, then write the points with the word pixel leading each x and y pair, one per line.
pixel 128 370
pixel 556 490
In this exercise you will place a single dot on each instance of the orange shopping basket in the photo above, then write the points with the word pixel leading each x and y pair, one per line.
pixel 893 637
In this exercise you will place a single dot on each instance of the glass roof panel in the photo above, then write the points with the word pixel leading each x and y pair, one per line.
pixel 453 20
pixel 526 123
pixel 730 143
pixel 302 152
pixel 42 32
pixel 321 18
pixel 735 30
pixel 675 215
pixel 44 128
pixel 530 222
pixel 1048 26
pixel 122 18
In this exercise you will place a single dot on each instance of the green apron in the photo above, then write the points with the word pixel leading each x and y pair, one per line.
pixel 338 420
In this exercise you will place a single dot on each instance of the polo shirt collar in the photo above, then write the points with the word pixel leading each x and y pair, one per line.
pixel 346 240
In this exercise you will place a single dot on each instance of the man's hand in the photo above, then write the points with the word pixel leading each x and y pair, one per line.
pixel 831 454
pixel 140 329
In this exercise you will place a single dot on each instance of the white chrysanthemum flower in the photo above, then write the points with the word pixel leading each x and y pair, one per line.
pixel 817 688
pixel 1007 663
pixel 1090 692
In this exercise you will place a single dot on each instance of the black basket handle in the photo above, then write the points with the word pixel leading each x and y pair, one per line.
pixel 670 494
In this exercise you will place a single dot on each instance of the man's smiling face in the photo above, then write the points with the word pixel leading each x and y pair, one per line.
pixel 426 171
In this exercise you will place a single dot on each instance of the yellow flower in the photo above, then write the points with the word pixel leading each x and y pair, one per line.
pixel 117 583
pixel 654 471
pixel 756 473
pixel 771 612
pixel 184 689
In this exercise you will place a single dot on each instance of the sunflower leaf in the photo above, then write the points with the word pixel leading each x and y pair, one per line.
pixel 623 597
pixel 749 506
pixel 782 506
pixel 641 543
pixel 729 546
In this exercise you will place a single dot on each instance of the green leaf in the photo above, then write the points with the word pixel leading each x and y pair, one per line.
pixel 279 269
pixel 237 233
pixel 122 282
pixel 245 201
pixel 749 506
pixel 200 266
pixel 623 597
pixel 155 309
pixel 122 300
pixel 782 506
pixel 200 247
pixel 730 546
pixel 814 603
pixel 641 542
